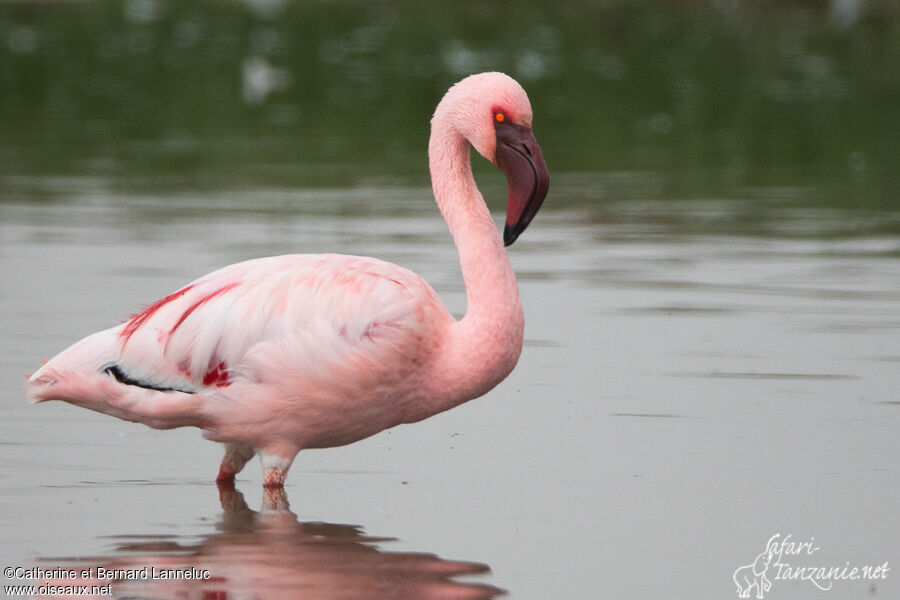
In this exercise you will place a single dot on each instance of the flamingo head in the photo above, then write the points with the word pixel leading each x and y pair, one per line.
pixel 492 111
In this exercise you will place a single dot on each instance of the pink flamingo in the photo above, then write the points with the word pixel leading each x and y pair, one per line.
pixel 278 354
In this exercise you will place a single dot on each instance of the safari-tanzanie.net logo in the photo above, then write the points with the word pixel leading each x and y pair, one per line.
pixel 787 560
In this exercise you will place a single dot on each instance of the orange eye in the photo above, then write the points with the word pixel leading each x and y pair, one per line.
pixel 500 117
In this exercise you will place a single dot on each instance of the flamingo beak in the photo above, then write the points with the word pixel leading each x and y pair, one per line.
pixel 520 158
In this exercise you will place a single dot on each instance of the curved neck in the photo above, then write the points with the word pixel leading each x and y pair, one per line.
pixel 487 342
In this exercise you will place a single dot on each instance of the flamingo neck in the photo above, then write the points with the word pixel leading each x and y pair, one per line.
pixel 484 346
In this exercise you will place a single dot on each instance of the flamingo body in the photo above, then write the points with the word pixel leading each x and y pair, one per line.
pixel 278 354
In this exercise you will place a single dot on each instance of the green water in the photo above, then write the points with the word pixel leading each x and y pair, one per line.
pixel 647 99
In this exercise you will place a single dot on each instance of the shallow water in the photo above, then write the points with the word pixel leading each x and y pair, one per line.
pixel 697 377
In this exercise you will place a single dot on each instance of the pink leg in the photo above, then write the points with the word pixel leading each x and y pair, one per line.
pixel 236 456
pixel 230 498
pixel 275 469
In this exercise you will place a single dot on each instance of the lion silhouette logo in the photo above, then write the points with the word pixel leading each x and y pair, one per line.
pixel 753 575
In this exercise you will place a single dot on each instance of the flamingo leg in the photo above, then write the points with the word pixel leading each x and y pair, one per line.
pixel 236 456
pixel 274 500
pixel 275 468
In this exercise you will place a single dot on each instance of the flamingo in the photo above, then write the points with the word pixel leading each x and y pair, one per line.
pixel 275 355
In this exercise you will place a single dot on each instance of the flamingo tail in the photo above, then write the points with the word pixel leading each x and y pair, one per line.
pixel 85 375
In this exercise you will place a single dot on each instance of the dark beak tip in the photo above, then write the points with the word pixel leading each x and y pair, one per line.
pixel 510 235
pixel 508 238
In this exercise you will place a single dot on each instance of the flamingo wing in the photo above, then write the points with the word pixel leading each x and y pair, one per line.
pixel 262 319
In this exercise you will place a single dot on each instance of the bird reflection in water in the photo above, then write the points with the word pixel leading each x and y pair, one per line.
pixel 269 554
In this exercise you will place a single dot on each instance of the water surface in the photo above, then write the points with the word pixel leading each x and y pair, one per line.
pixel 685 392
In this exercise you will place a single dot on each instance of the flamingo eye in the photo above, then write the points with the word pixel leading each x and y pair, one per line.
pixel 499 117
